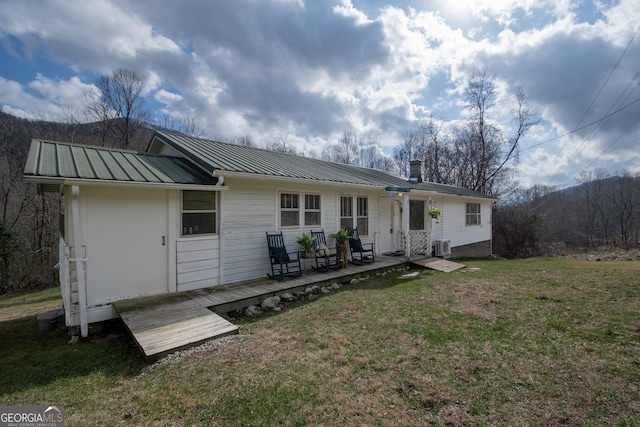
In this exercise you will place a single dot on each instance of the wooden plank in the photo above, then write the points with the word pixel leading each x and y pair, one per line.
pixel 169 322
pixel 439 264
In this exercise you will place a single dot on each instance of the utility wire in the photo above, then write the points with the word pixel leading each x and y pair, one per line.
pixel 583 127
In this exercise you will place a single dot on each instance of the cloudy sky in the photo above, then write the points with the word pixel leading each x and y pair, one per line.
pixel 310 70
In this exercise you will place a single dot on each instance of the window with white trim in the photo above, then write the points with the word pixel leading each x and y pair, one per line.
pixel 312 212
pixel 362 213
pixel 346 212
pixel 199 212
pixel 289 210
pixel 358 205
pixel 473 214
pixel 293 213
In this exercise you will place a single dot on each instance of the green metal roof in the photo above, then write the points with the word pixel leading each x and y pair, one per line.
pixel 50 160
pixel 225 157
pixel 450 189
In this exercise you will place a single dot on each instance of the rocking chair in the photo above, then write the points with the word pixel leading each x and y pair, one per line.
pixel 283 263
pixel 360 252
pixel 326 259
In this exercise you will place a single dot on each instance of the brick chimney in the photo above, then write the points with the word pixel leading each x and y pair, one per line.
pixel 415 171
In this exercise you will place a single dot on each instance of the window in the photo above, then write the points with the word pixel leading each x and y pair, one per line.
pixel 473 214
pixel 363 216
pixel 291 211
pixel 361 210
pixel 199 215
pixel 311 210
pixel 346 212
pixel 416 215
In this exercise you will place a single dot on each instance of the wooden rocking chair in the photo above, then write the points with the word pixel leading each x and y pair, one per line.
pixel 326 259
pixel 360 252
pixel 283 263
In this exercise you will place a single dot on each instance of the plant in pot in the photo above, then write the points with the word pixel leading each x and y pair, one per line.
pixel 435 214
pixel 306 245
pixel 341 237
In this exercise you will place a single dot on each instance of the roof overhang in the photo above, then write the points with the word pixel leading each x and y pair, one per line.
pixel 396 189
pixel 54 184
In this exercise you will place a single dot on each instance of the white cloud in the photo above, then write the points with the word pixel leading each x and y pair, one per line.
pixel 312 70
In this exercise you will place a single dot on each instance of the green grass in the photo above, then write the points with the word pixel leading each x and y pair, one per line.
pixel 533 342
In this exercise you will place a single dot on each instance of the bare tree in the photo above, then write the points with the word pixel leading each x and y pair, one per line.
pixel 494 153
pixel 279 145
pixel 346 151
pixel 412 148
pixel 118 103
pixel 184 125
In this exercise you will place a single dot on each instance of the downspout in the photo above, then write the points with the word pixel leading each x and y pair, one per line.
pixel 79 260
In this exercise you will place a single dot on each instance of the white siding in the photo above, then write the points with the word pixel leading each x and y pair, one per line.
pixel 452 221
pixel 198 262
pixel 250 209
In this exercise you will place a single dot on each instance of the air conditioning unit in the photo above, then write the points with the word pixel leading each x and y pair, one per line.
pixel 443 247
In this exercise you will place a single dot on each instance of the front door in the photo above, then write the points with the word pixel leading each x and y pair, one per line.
pixel 387 230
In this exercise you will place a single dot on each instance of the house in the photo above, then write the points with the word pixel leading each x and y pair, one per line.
pixel 191 213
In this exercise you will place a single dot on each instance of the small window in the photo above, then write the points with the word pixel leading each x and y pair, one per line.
pixel 312 210
pixel 199 212
pixel 289 210
pixel 473 214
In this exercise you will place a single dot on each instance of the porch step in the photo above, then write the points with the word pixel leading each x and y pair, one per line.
pixel 166 323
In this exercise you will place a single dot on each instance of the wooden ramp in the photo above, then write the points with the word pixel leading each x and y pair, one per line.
pixel 438 264
pixel 165 323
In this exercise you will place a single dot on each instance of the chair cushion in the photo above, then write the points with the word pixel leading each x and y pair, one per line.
pixel 356 245
pixel 280 255
pixel 323 250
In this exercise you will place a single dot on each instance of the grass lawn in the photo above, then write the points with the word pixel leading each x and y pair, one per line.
pixel 530 342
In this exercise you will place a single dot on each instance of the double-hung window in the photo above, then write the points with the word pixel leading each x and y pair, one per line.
pixel 199 212
pixel 473 214
pixel 293 213
pixel 359 206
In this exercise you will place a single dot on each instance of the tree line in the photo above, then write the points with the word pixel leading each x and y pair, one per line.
pixel 602 209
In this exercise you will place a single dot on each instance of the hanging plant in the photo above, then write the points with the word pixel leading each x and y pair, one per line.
pixel 435 214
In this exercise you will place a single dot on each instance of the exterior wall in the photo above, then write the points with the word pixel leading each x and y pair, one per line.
pixel 452 221
pixel 250 209
pixel 197 262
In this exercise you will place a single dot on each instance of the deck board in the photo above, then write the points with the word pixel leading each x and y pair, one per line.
pixel 161 324
pixel 164 323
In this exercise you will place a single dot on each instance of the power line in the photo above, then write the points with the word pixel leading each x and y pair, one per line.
pixel 584 126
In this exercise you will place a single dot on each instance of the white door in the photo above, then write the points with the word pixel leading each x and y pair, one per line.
pixel 127 247
pixel 385 223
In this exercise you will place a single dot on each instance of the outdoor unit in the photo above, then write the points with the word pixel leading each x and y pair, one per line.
pixel 443 247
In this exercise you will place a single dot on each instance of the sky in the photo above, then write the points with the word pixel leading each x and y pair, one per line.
pixel 307 71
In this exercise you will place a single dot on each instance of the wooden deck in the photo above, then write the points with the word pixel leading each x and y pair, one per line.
pixel 161 324
pixel 165 323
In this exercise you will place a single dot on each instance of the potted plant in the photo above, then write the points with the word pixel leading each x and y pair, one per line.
pixel 341 237
pixel 435 214
pixel 306 244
